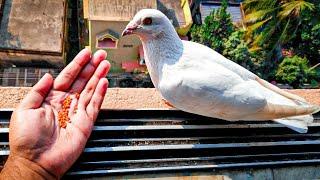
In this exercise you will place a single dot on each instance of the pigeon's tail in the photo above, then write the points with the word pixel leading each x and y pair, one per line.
pixel 276 111
pixel 294 117
pixel 296 123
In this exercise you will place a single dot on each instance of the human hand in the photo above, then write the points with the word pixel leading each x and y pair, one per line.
pixel 35 135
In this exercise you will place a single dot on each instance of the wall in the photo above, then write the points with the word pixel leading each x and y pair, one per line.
pixel 118 10
pixel 33 31
pixel 131 98
pixel 24 59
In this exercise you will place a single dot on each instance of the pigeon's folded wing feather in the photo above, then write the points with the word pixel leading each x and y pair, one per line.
pixel 217 93
pixel 198 52
pixel 279 91
pixel 224 94
pixel 206 54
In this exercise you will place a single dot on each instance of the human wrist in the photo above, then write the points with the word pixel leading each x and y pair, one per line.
pixel 21 168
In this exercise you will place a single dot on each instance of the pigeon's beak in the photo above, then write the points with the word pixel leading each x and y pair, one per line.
pixel 129 30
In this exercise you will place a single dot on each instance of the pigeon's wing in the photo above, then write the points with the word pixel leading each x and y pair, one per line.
pixel 205 54
pixel 198 52
pixel 211 90
pixel 206 83
pixel 279 91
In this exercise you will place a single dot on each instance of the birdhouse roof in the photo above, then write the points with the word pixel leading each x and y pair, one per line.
pixel 115 10
pixel 109 32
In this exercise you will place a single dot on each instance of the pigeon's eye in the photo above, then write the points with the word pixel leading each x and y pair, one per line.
pixel 147 21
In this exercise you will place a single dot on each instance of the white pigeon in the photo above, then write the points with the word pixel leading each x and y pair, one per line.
pixel 196 79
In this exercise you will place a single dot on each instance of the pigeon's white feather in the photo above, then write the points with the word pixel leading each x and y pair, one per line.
pixel 196 79
pixel 203 53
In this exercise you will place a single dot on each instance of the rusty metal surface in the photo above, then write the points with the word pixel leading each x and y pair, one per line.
pixel 33 25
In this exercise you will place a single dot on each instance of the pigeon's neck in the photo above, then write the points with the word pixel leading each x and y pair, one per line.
pixel 159 52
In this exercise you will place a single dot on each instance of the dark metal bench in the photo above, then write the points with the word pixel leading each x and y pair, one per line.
pixel 144 141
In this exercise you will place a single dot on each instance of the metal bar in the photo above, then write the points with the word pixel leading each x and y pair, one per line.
pixel 207 138
pixel 192 146
pixel 193 167
pixel 157 112
pixel 195 158
pixel 142 120
pixel 4 153
pixel 178 119
pixel 176 127
pixel 199 146
pixel 4 130
pixel 150 139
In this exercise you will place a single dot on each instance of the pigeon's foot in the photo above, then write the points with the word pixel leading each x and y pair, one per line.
pixel 168 103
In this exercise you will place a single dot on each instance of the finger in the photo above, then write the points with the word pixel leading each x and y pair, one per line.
pixel 88 70
pixel 38 93
pixel 97 98
pixel 88 91
pixel 71 71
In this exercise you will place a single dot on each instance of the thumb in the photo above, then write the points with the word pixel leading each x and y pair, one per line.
pixel 38 93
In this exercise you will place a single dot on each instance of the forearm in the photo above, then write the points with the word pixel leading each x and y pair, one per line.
pixel 21 168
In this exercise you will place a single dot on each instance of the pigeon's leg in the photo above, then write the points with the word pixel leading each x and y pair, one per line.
pixel 167 103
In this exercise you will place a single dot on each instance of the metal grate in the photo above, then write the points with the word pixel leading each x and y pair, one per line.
pixel 143 141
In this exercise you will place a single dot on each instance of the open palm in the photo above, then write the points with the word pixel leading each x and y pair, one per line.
pixel 35 133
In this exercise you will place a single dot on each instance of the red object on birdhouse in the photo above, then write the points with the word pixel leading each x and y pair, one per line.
pixel 130 66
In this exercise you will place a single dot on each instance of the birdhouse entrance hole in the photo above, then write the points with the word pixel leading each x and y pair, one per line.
pixel 107 42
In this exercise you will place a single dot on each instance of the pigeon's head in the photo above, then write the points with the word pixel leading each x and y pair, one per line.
pixel 148 24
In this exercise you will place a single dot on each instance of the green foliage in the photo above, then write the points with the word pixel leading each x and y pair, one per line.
pixel 219 33
pixel 307 42
pixel 237 50
pixel 273 23
pixel 295 71
pixel 313 38
pixel 271 26
pixel 196 34
pixel 216 29
pixel 263 66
